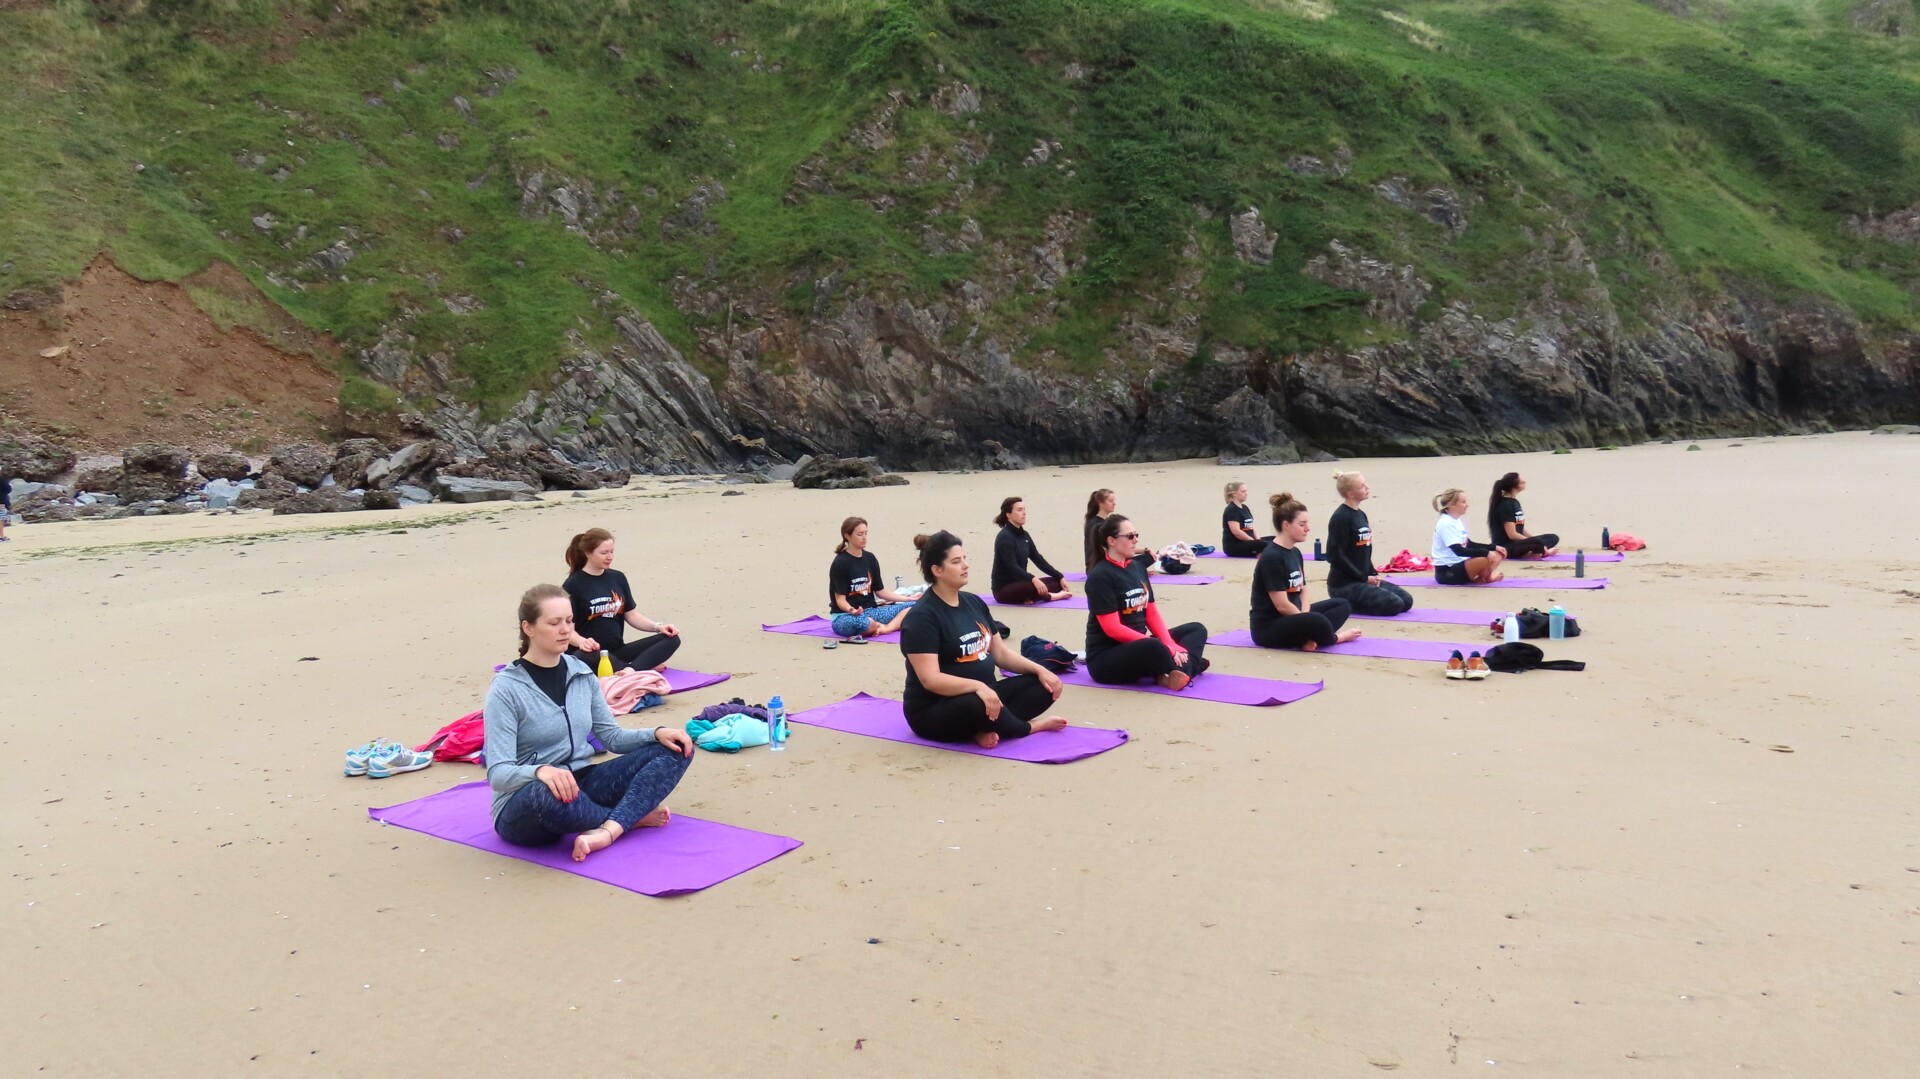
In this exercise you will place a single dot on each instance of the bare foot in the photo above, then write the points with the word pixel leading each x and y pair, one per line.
pixel 656 819
pixel 1497 575
pixel 1553 550
pixel 1344 636
pixel 1049 723
pixel 594 839
pixel 1310 646
pixel 986 739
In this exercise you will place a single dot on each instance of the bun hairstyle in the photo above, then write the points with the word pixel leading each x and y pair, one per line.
pixel 1103 535
pixel 532 598
pixel 1006 507
pixel 578 548
pixel 846 529
pixel 1345 482
pixel 1232 486
pixel 1094 500
pixel 1446 498
pixel 1285 508
pixel 934 550
pixel 1503 487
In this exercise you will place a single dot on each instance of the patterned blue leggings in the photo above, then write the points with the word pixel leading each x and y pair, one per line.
pixel 852 625
pixel 621 790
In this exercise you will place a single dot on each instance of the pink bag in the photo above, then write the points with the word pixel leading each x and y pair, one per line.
pixel 462 740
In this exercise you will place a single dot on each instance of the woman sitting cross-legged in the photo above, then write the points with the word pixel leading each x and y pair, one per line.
pixel 1507 522
pixel 1012 549
pixel 603 607
pixel 861 607
pixel 1350 572
pixel 1238 537
pixel 1127 640
pixel 1456 558
pixel 953 655
pixel 539 713
pixel 1280 617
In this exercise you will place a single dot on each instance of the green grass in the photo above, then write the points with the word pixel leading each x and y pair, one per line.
pixel 1695 155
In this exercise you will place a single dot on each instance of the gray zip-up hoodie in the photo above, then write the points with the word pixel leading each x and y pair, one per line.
pixel 526 730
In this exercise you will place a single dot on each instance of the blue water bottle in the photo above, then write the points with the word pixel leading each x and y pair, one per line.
pixel 776 724
pixel 1557 623
pixel 1580 563
pixel 1316 551
pixel 1606 540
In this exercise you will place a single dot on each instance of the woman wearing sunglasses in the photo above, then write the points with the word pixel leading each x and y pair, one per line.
pixel 1127 639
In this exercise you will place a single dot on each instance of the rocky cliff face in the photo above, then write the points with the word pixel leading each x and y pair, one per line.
pixel 919 386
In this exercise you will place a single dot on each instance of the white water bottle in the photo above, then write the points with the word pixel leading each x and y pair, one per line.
pixel 1557 623
pixel 1512 629
pixel 776 724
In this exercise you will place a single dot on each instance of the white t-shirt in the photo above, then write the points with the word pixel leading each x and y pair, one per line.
pixel 1447 531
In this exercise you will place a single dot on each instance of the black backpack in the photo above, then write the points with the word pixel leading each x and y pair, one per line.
pixel 1519 658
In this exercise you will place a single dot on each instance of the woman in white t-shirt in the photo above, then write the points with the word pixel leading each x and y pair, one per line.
pixel 1456 558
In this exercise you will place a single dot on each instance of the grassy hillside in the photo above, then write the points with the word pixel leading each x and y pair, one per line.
pixel 1694 153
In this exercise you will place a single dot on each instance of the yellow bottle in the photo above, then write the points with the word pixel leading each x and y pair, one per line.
pixel 606 665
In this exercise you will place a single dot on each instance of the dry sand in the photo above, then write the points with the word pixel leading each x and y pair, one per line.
pixel 1601 874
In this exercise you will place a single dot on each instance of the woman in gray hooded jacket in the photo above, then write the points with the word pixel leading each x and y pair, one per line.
pixel 539 714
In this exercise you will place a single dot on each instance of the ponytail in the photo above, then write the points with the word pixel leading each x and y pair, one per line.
pixel 1103 535
pixel 582 545
pixel 1094 500
pixel 1502 488
pixel 1446 498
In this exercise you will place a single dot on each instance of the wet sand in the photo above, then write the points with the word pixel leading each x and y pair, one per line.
pixel 1698 857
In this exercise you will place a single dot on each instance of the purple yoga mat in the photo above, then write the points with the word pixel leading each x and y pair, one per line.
pixel 1071 603
pixel 1592 556
pixel 682 681
pixel 817 625
pixel 1212 686
pixel 1439 616
pixel 881 717
pixel 1407 580
pixel 1373 647
pixel 685 856
pixel 1162 578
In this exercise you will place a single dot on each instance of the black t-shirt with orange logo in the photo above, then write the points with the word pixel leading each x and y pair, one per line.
pixel 600 604
pixel 856 578
pixel 1349 548
pixel 1280 569
pixel 1122 590
pixel 961 636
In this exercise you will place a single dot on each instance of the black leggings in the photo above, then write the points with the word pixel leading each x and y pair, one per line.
pixel 1527 547
pixel 1147 658
pixel 1239 548
pixel 958 719
pixel 1022 591
pixel 1318 623
pixel 1385 598
pixel 641 655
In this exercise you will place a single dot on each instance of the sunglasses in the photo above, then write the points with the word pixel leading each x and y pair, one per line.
pixel 1126 535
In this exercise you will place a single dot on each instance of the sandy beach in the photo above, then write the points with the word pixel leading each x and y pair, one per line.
pixel 1697 857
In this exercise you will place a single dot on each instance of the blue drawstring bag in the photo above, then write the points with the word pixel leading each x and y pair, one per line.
pixel 1048 654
